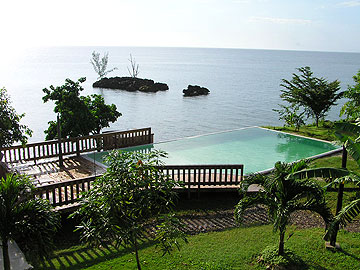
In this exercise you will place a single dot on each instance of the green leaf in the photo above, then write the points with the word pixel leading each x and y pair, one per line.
pixel 326 172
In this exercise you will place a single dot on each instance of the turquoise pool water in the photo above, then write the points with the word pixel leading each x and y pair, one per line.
pixel 257 148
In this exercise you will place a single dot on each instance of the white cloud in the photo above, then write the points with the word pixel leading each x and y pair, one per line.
pixel 279 20
pixel 354 3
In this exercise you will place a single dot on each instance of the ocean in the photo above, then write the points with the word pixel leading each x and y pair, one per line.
pixel 244 85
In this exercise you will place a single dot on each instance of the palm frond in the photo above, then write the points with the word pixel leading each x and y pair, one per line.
pixel 348 213
pixel 320 207
pixel 347 127
pixel 325 172
pixel 351 178
pixel 300 165
pixel 345 216
pixel 304 188
pixel 248 201
pixel 353 149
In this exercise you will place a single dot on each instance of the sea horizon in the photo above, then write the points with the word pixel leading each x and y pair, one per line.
pixel 244 84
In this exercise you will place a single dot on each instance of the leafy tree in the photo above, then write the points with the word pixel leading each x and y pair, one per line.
pixel 314 95
pixel 283 195
pixel 291 117
pixel 132 195
pixel 352 107
pixel 100 66
pixel 10 128
pixel 79 115
pixel 27 220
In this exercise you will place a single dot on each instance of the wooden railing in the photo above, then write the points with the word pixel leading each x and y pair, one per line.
pixel 78 145
pixel 66 192
pixel 192 176
pixel 205 175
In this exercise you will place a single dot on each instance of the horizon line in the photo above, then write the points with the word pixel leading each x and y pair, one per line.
pixel 185 47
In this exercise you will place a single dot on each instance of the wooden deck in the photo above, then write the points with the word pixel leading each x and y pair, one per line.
pixel 64 195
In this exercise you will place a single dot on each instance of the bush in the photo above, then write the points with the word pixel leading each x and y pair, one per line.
pixel 289 260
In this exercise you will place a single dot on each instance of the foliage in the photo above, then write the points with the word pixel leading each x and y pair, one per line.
pixel 291 117
pixel 134 68
pixel 100 66
pixel 283 194
pixel 79 115
pixel 351 108
pixel 130 197
pixel 272 260
pixel 10 128
pixel 27 220
pixel 349 135
pixel 314 95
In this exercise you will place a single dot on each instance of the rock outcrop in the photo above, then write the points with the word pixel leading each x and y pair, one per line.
pixel 195 90
pixel 131 84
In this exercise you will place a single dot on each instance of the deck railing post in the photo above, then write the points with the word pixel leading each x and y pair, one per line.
pixel 61 163
pixel 77 146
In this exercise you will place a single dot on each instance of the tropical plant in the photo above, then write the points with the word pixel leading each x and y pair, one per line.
pixel 351 108
pixel 130 198
pixel 291 116
pixel 10 128
pixel 283 195
pixel 79 115
pixel 134 68
pixel 27 220
pixel 100 66
pixel 314 95
pixel 349 135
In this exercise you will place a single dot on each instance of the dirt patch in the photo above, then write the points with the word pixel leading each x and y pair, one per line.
pixel 257 215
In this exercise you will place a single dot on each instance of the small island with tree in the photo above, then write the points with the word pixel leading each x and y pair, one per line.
pixel 132 83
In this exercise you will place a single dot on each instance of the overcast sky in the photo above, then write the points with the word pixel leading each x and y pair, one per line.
pixel 321 25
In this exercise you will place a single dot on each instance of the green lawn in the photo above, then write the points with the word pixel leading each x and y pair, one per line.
pixel 230 249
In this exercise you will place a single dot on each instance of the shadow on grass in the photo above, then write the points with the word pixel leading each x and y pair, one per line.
pixel 349 254
pixel 85 257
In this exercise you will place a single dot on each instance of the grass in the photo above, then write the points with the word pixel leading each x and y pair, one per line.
pixel 231 249
pixel 325 131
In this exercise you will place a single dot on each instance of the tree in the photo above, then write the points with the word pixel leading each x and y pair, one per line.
pixel 79 115
pixel 10 128
pixel 100 66
pixel 314 95
pixel 283 195
pixel 291 117
pixel 27 220
pixel 134 68
pixel 349 135
pixel 132 195
pixel 351 108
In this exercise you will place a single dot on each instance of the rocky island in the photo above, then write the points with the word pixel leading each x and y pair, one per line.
pixel 195 90
pixel 131 84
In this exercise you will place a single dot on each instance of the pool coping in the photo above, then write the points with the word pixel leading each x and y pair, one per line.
pixel 266 171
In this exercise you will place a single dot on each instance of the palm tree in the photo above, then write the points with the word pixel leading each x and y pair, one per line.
pixel 27 220
pixel 283 195
pixel 349 135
